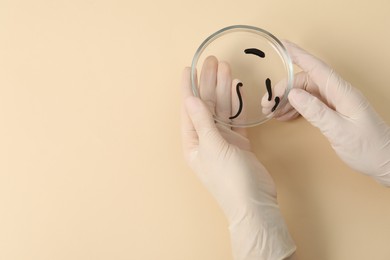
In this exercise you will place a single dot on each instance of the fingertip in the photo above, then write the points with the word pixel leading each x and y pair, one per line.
pixel 286 42
pixel 297 97
pixel 210 64
pixel 265 102
pixel 299 56
pixel 289 45
pixel 211 59
pixel 266 106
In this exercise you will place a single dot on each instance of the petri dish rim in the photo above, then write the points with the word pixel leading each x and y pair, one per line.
pixel 275 42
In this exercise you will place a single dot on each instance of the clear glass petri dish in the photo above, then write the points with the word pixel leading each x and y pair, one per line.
pixel 256 84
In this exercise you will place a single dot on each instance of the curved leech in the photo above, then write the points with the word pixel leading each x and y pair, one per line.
pixel 269 89
pixel 277 100
pixel 255 51
pixel 239 84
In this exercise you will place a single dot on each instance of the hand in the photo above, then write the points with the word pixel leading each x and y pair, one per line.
pixel 356 132
pixel 222 159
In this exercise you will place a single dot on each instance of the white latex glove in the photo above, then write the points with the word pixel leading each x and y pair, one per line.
pixel 223 161
pixel 355 131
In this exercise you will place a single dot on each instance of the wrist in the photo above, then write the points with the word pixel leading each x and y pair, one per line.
pixel 261 235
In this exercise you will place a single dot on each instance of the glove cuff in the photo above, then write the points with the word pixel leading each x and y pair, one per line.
pixel 262 236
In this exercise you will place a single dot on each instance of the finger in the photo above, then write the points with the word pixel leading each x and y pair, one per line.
pixel 333 89
pixel 208 82
pixel 223 92
pixel 284 111
pixel 301 81
pixel 317 69
pixel 315 111
pixel 290 115
pixel 271 99
pixel 329 85
pixel 238 109
pixel 203 123
pixel 188 133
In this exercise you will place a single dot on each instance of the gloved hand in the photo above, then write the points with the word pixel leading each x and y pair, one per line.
pixel 355 131
pixel 222 159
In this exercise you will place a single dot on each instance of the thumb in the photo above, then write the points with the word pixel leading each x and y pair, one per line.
pixel 202 121
pixel 315 111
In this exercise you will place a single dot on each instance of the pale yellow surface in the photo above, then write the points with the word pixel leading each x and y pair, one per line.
pixel 90 157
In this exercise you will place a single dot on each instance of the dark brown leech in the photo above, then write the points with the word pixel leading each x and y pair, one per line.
pixel 269 89
pixel 255 51
pixel 277 100
pixel 239 84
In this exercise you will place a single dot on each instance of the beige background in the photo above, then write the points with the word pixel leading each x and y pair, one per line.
pixel 90 157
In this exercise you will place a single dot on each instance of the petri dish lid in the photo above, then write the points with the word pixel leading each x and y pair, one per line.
pixel 244 74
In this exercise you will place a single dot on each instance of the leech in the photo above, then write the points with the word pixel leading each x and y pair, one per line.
pixel 239 84
pixel 277 100
pixel 255 51
pixel 269 89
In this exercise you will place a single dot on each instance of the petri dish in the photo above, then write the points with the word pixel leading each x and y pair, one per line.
pixel 256 84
